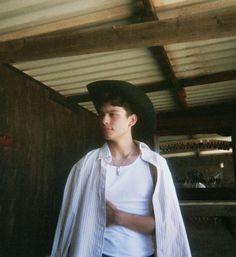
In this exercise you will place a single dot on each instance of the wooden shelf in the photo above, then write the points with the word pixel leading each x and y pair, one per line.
pixel 208 208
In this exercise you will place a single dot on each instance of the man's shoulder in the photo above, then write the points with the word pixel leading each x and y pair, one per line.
pixel 149 153
pixel 90 154
pixel 84 162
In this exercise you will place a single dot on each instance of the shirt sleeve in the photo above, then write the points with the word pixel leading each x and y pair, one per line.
pixel 65 221
pixel 171 237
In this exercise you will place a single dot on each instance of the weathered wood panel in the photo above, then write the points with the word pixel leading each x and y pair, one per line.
pixel 47 139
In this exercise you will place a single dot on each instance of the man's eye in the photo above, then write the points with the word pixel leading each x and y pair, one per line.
pixel 101 116
pixel 113 114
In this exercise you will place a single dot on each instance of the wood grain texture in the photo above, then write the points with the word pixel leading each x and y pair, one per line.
pixel 154 33
pixel 48 139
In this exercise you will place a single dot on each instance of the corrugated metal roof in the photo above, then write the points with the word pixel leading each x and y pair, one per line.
pixel 162 100
pixel 202 57
pixel 167 9
pixel 69 75
pixel 211 93
pixel 22 15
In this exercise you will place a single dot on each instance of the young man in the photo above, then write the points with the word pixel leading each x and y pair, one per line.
pixel 119 200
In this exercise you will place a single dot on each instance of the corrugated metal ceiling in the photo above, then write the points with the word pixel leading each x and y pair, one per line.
pixel 214 93
pixel 202 57
pixel 44 15
pixel 69 75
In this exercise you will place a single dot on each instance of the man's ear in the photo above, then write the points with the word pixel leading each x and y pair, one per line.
pixel 133 119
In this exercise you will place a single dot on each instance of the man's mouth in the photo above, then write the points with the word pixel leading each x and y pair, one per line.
pixel 106 130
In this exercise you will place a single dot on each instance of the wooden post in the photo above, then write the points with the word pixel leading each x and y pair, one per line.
pixel 234 151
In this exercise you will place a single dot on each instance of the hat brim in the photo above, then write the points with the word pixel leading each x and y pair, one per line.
pixel 137 99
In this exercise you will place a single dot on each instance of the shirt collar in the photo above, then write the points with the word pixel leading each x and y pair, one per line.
pixel 105 153
pixel 146 153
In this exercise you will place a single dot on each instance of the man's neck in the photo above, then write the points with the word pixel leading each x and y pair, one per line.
pixel 123 153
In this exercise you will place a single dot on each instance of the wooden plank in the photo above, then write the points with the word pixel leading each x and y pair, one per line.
pixel 206 194
pixel 52 94
pixel 103 16
pixel 208 79
pixel 184 29
pixel 234 151
pixel 208 208
pixel 196 120
pixel 162 60
pixel 164 85
pixel 48 139
pixel 189 7
pixel 174 85
pixel 149 87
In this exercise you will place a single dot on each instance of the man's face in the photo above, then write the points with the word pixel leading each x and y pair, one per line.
pixel 115 123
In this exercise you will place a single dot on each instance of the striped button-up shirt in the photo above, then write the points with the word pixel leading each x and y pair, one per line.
pixel 82 219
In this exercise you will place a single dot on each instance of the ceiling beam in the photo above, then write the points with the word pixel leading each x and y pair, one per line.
pixel 163 62
pixel 73 23
pixel 196 120
pixel 189 7
pixel 154 33
pixel 209 78
pixel 164 85
pixel 176 88
pixel 150 87
pixel 52 94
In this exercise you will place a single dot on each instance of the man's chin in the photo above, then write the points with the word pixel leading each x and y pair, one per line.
pixel 107 135
pixel 109 138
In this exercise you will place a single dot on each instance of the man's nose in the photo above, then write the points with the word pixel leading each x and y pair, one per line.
pixel 105 119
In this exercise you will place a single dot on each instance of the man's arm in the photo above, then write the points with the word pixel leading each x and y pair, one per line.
pixel 139 223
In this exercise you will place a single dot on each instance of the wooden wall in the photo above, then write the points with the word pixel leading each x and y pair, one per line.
pixel 39 142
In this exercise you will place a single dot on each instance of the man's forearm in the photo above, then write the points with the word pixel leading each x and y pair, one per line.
pixel 139 223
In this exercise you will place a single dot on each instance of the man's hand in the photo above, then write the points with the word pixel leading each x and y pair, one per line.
pixel 138 223
pixel 110 213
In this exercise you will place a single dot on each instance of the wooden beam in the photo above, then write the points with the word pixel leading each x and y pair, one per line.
pixel 80 98
pixel 173 85
pixel 207 194
pixel 163 62
pixel 234 151
pixel 208 79
pixel 177 30
pixel 196 120
pixel 150 87
pixel 164 85
pixel 79 21
pixel 187 7
pixel 208 208
pixel 52 94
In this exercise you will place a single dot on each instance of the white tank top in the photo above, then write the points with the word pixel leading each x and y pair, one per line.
pixel 130 189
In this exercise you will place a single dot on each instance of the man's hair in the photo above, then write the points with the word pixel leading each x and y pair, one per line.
pixel 117 100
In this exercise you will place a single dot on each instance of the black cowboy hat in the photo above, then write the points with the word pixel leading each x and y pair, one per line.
pixel 137 99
